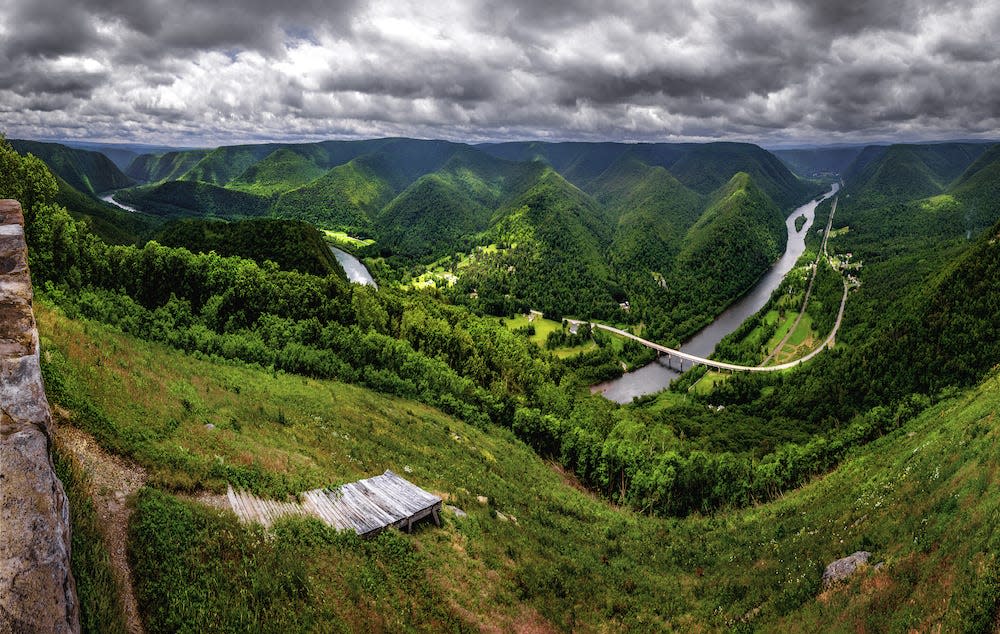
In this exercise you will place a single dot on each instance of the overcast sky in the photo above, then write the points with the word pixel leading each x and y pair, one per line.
pixel 200 73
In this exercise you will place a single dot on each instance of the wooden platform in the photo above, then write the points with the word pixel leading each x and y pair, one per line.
pixel 367 506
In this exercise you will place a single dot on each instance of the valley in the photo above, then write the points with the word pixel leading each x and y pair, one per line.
pixel 285 317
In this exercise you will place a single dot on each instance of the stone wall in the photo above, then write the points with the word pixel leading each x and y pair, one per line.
pixel 37 592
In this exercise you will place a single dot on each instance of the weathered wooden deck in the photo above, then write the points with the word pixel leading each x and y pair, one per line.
pixel 366 506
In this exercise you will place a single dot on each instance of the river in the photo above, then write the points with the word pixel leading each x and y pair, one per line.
pixel 656 376
pixel 356 271
pixel 109 198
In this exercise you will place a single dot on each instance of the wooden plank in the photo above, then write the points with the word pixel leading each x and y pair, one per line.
pixel 366 506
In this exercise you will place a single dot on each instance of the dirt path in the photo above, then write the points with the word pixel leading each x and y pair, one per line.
pixel 112 480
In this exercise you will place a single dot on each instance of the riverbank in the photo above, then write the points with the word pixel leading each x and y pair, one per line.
pixel 658 375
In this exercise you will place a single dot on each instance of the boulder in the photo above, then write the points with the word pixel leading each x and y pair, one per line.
pixel 844 568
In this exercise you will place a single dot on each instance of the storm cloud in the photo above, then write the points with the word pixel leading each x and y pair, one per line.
pixel 774 72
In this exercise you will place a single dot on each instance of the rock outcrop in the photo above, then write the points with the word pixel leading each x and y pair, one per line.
pixel 37 591
pixel 841 569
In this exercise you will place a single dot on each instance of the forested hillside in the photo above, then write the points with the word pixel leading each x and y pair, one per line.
pixel 425 200
pixel 552 239
pixel 737 238
pixel 291 244
pixel 153 168
pixel 86 171
pixel 278 172
pixel 193 198
pixel 652 211
pixel 882 175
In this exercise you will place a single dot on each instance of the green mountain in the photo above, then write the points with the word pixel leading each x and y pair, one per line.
pixel 703 167
pixel 736 239
pixel 552 240
pixel 432 215
pixel 191 198
pixel 904 172
pixel 578 162
pixel 153 168
pixel 121 157
pixel 346 197
pixel 86 171
pixel 278 172
pixel 652 211
pixel 443 211
pixel 978 190
pixel 291 244
pixel 707 167
pixel 352 194
pixel 225 164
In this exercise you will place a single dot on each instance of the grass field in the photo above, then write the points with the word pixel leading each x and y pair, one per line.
pixel 342 238
pixel 543 327
pixel 540 553
pixel 706 383
pixel 802 341
pixel 783 327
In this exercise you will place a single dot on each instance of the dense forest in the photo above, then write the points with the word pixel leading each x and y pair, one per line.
pixel 291 244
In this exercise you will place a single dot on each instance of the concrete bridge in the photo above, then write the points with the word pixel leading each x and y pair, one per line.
pixel 733 367
pixel 722 365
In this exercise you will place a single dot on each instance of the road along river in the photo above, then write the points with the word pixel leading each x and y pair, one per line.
pixel 655 376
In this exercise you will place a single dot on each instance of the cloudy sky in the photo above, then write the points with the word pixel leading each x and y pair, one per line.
pixel 205 73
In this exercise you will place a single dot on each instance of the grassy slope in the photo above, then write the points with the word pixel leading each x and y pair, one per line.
pixel 569 559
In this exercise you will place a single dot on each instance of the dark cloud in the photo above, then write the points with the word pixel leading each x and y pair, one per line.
pixel 848 17
pixel 190 71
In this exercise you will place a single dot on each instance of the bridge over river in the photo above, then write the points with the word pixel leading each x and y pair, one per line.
pixel 695 359
pixel 722 365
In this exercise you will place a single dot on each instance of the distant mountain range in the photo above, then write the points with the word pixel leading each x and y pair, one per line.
pixel 572 228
